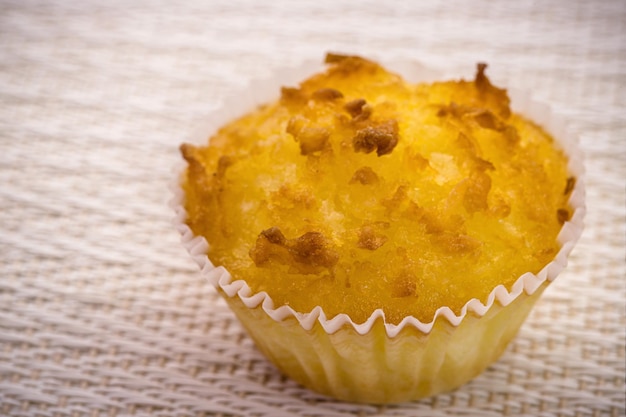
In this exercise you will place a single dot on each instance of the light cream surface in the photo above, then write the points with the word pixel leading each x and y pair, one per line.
pixel 101 310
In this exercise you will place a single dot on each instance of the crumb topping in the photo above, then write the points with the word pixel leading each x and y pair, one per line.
pixel 306 254
pixel 464 195
pixel 381 138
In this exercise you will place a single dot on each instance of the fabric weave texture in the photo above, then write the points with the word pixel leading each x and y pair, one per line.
pixel 103 313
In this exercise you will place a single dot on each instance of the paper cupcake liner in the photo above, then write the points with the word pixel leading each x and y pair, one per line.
pixel 321 349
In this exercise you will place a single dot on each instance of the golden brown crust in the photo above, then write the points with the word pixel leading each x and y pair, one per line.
pixel 464 195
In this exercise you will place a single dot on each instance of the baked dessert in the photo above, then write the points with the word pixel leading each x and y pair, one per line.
pixel 361 198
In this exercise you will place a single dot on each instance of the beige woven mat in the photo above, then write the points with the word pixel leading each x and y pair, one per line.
pixel 103 314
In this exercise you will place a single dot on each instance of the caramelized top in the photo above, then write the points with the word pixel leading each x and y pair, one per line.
pixel 356 191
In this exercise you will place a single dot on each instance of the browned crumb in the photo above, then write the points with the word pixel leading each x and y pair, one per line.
pixel 366 112
pixel 484 117
pixel 454 110
pixel 365 176
pixel 431 219
pixel 488 120
pixel 312 139
pixel 327 94
pixel 562 215
pixel 333 58
pixel 569 185
pixel 369 239
pixel 481 80
pixel 305 254
pixel 274 235
pixel 295 124
pixel 314 249
pixel 196 167
pixel 187 150
pixel 483 165
pixel 486 90
pixel 501 209
pixel 355 106
pixel 290 197
pixel 403 286
pixel 291 95
pixel 348 65
pixel 382 138
pixel 222 164
pixel 394 201
pixel 511 135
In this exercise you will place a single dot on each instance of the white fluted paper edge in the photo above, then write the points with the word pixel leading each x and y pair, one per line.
pixel 264 90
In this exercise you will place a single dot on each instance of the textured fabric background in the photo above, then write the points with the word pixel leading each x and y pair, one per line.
pixel 102 313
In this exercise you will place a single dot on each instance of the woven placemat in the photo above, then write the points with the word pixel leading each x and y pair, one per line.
pixel 102 313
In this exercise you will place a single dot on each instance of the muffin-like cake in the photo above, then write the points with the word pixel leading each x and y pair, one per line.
pixel 382 241
pixel 358 191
